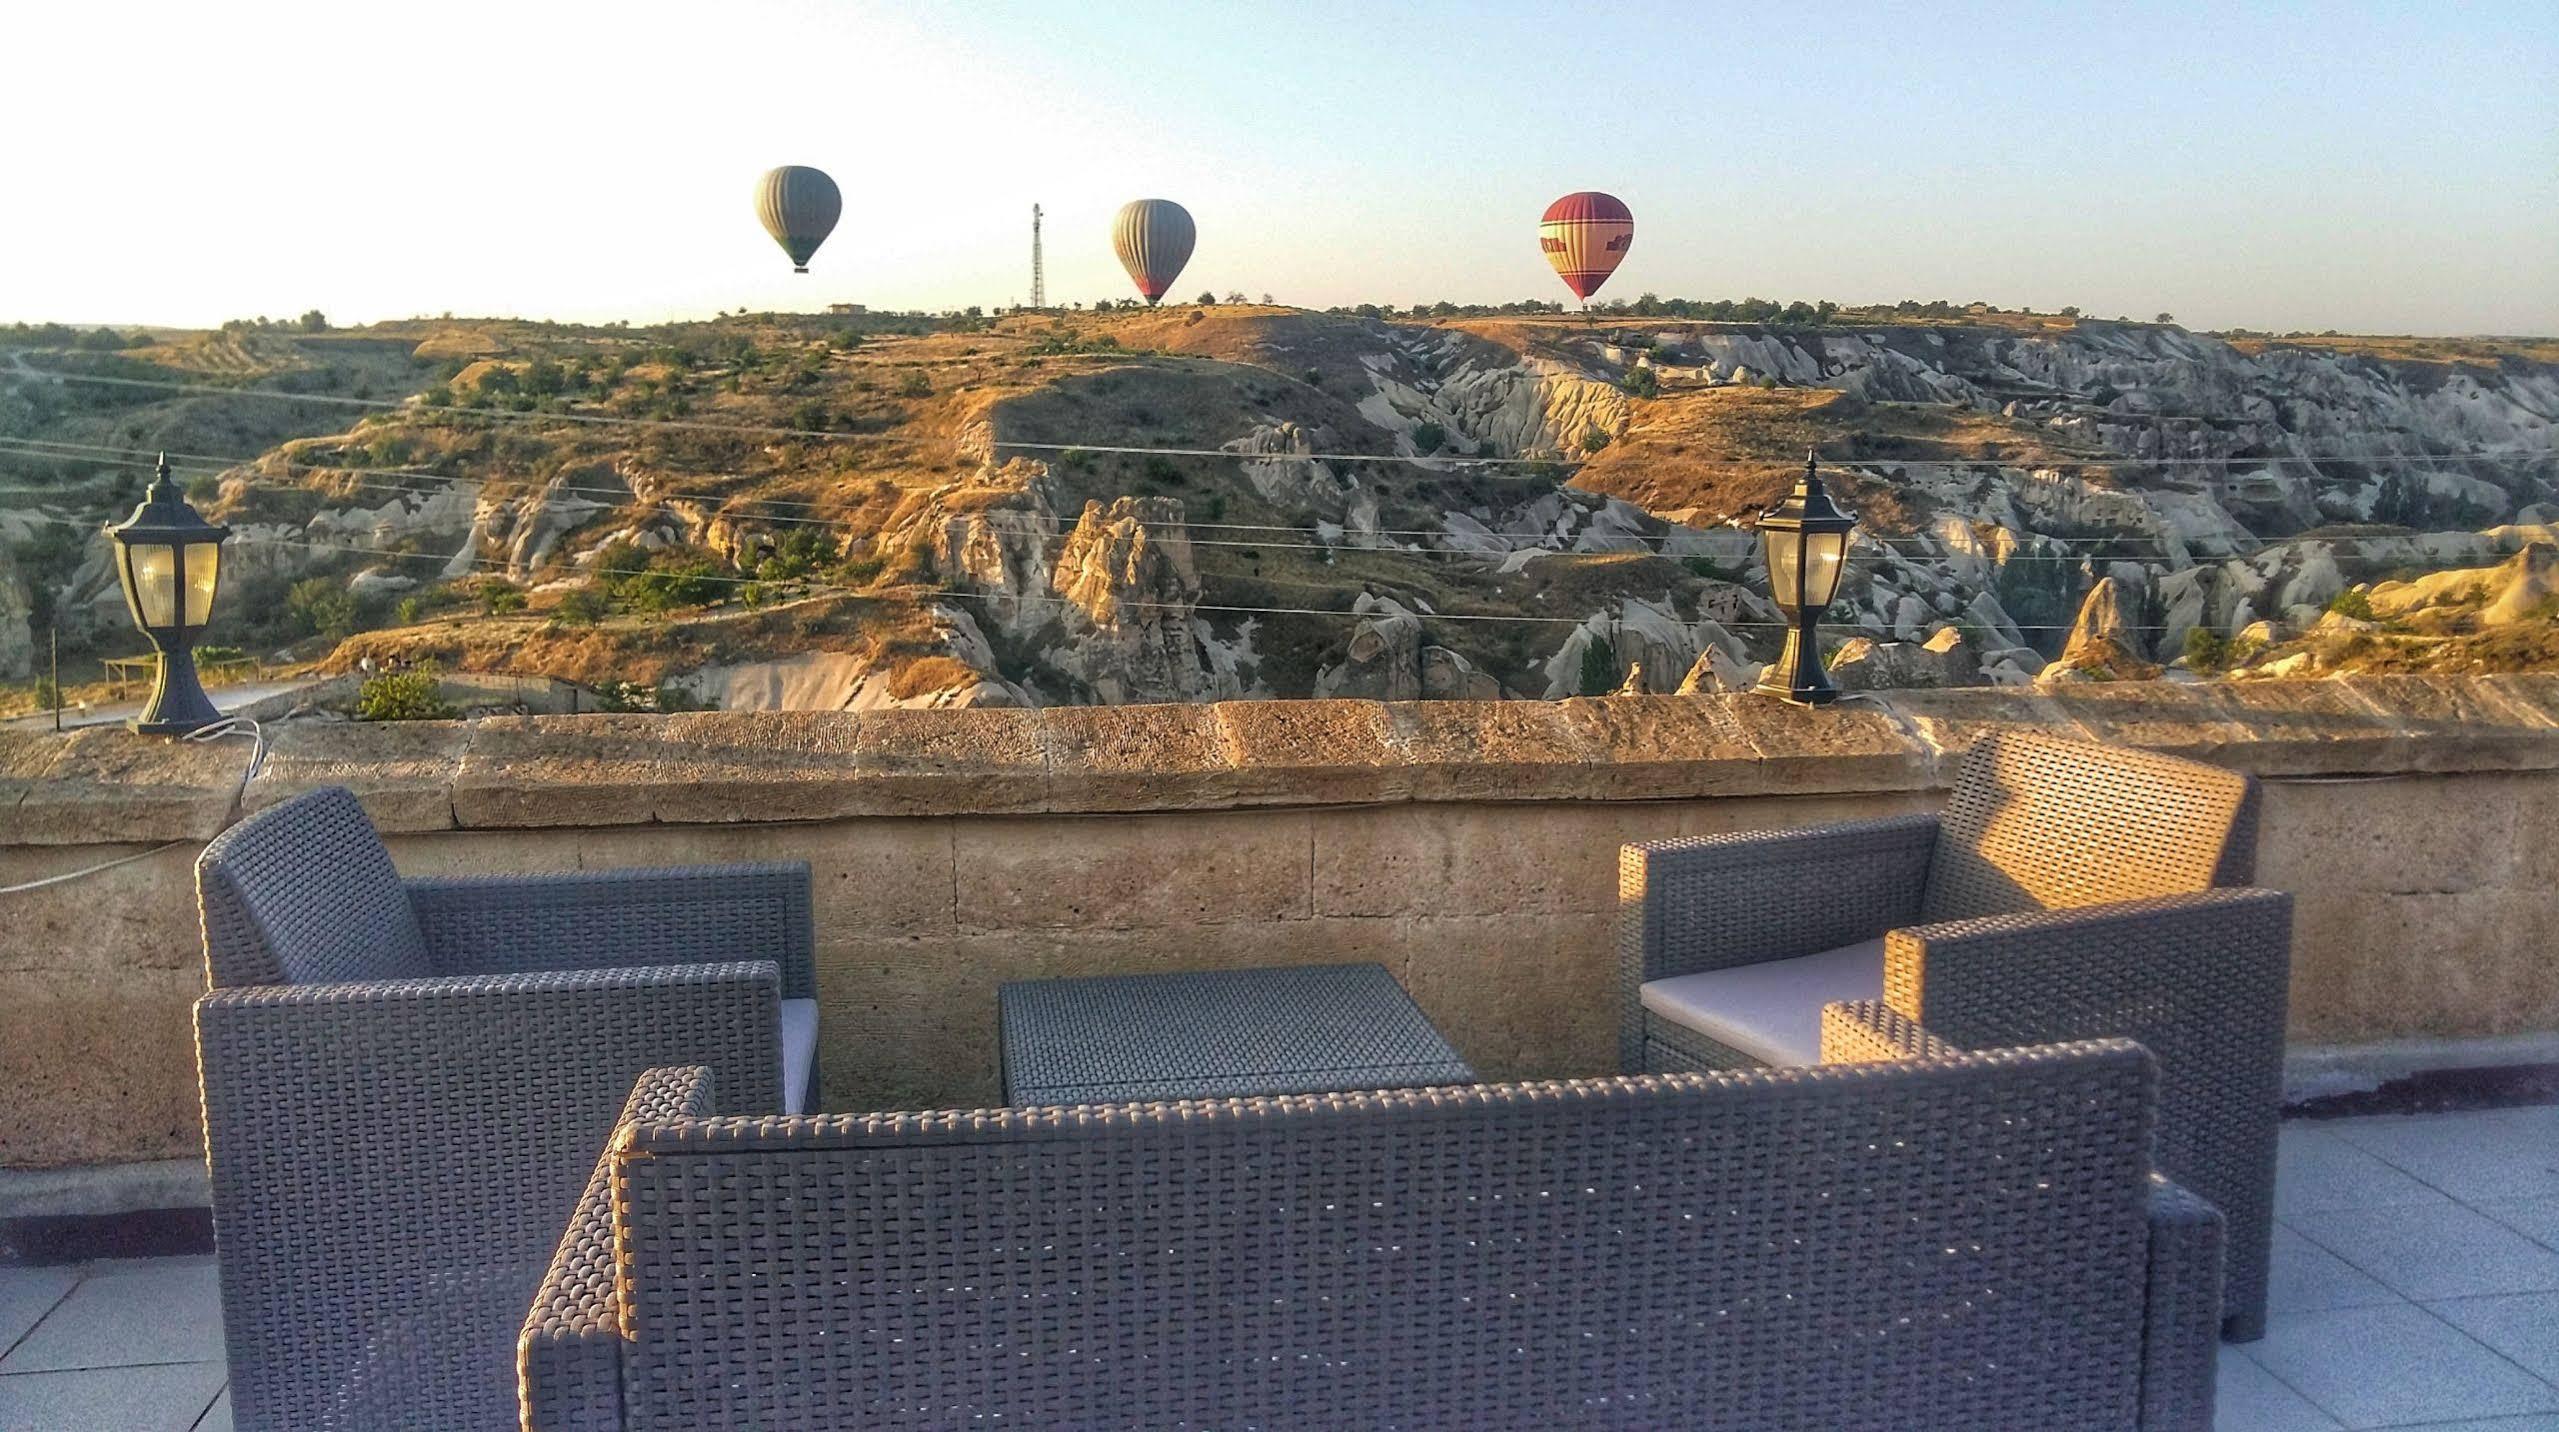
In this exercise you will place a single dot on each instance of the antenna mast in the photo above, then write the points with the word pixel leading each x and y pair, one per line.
pixel 1039 281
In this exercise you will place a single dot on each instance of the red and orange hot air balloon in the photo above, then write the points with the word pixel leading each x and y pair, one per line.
pixel 1585 236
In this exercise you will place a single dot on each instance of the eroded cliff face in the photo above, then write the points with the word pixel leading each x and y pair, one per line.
pixel 2004 471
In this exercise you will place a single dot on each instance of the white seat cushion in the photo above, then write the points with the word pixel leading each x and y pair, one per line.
pixel 1772 1011
pixel 799 1051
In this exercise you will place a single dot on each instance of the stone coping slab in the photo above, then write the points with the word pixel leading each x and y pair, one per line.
pixel 104 784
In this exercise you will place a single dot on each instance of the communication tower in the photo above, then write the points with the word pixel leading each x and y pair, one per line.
pixel 1039 281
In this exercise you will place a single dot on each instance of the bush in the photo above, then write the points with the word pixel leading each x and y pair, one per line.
pixel 802 550
pixel 1594 438
pixel 2353 602
pixel 48 694
pixel 580 606
pixel 498 598
pixel 914 384
pixel 2206 651
pixel 320 606
pixel 408 612
pixel 1641 381
pixel 403 696
pixel 1429 437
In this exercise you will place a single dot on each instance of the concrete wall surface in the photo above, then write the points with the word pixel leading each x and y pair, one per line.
pixel 1471 847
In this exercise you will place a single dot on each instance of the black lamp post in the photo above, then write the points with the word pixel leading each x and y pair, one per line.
pixel 170 558
pixel 1806 541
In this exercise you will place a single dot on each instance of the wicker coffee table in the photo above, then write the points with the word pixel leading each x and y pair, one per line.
pixel 1217 1034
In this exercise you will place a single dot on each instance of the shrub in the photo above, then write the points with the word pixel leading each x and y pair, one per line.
pixel 802 550
pixel 1641 381
pixel 580 606
pixel 2206 651
pixel 408 612
pixel 498 598
pixel 914 384
pixel 2353 602
pixel 1428 437
pixel 1594 438
pixel 403 696
pixel 48 694
pixel 672 580
pixel 320 606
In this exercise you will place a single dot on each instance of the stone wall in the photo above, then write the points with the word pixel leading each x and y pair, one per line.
pixel 1469 846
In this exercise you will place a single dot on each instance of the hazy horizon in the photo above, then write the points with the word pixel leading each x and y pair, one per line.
pixel 2375 169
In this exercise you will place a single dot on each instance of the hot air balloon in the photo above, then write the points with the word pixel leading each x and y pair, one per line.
pixel 1585 235
pixel 799 207
pixel 1154 237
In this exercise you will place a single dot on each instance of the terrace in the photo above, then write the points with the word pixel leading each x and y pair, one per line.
pixel 1471 848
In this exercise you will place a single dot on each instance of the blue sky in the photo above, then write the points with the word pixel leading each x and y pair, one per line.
pixel 2373 168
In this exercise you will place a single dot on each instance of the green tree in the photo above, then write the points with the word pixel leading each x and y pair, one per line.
pixel 1599 668
pixel 1427 437
pixel 315 322
pixel 1641 381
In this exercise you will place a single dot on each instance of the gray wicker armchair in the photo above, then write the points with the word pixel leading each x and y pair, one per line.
pixel 1967 1244
pixel 404 1084
pixel 2069 891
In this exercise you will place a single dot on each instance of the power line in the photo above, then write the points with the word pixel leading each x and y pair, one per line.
pixel 2110 462
pixel 824 589
pixel 1938 548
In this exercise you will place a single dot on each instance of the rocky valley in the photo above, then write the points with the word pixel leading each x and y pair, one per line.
pixel 1202 503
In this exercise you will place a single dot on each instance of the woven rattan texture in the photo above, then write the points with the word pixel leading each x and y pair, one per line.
pixel 1217 1033
pixel 392 1162
pixel 2182 1340
pixel 1951 1244
pixel 1712 902
pixel 605 918
pixel 391 1157
pixel 2124 845
pixel 2201 980
pixel 569 1360
pixel 304 891
pixel 2036 823
pixel 1865 1030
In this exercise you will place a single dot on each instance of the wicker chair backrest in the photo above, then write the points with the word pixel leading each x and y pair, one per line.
pixel 304 893
pixel 2037 823
pixel 1839 1247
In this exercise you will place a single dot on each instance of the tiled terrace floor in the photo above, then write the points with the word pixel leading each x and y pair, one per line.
pixel 2416 1284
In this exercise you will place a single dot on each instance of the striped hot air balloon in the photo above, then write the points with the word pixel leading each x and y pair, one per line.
pixel 799 207
pixel 1154 238
pixel 1585 236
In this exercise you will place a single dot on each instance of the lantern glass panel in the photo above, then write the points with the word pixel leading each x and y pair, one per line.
pixel 204 567
pixel 1784 548
pixel 154 585
pixel 1825 560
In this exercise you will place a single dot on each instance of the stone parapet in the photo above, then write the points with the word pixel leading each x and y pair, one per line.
pixel 1470 847
pixel 532 772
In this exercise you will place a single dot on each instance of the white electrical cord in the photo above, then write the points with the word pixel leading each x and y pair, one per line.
pixel 229 726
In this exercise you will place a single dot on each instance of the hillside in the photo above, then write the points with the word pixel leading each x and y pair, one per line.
pixel 827 511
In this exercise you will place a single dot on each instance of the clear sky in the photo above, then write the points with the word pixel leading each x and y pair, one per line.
pixel 2380 168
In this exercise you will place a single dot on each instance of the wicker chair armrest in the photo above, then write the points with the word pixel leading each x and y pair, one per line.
pixel 2047 975
pixel 584 919
pixel 536 1037
pixel 569 1356
pixel 1713 902
pixel 2181 1326
pixel 1869 1031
